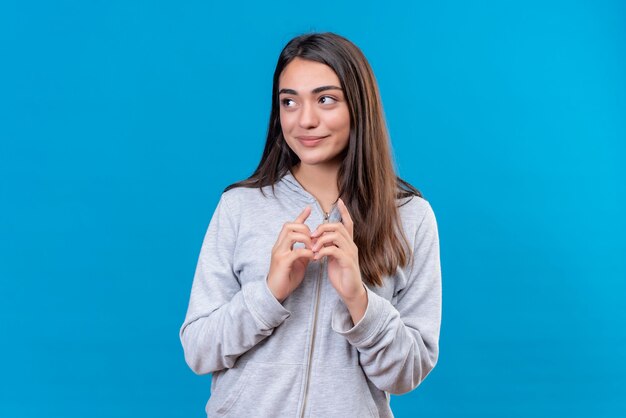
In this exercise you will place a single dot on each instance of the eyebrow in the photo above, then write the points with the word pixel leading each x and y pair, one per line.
pixel 314 91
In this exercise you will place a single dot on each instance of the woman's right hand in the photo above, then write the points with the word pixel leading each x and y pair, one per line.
pixel 288 265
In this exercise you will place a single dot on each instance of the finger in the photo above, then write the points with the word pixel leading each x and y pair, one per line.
pixel 303 215
pixel 329 238
pixel 331 227
pixel 322 228
pixel 299 253
pixel 346 219
pixel 294 237
pixel 332 251
pixel 290 226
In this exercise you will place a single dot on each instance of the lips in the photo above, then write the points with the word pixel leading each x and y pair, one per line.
pixel 310 141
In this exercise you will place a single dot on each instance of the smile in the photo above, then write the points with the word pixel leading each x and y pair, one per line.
pixel 310 141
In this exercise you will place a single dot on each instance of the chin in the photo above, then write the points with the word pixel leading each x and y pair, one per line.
pixel 312 161
pixel 315 156
pixel 316 161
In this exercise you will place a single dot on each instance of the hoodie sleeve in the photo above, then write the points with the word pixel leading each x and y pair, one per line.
pixel 224 319
pixel 399 344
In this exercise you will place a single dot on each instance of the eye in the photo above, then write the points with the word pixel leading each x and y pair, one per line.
pixel 327 100
pixel 287 102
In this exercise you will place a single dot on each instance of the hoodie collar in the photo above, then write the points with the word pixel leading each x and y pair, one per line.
pixel 293 186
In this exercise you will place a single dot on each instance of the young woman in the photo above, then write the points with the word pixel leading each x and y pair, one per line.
pixel 318 287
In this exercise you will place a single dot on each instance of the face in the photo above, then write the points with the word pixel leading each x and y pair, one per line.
pixel 314 114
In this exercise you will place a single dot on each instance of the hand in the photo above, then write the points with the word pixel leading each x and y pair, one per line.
pixel 288 266
pixel 336 240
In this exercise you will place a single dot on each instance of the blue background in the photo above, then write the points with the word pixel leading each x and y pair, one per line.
pixel 122 121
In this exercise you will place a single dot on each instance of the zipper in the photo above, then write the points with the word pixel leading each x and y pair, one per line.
pixel 312 340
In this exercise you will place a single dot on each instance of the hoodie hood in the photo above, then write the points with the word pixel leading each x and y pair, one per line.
pixel 292 187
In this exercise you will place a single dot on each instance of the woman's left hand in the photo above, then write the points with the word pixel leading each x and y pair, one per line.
pixel 336 240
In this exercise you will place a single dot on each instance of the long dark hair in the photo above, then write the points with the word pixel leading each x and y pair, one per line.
pixel 366 180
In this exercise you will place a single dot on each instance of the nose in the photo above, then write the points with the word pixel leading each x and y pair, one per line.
pixel 308 117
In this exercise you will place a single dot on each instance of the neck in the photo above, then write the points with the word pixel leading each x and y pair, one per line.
pixel 320 180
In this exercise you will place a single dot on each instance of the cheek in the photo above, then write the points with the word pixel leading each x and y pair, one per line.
pixel 339 121
pixel 340 125
pixel 286 121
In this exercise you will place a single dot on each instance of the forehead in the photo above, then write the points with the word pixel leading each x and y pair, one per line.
pixel 305 75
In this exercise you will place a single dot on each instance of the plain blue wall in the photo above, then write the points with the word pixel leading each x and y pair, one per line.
pixel 121 122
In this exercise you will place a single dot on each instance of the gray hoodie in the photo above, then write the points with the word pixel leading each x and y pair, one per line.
pixel 304 357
